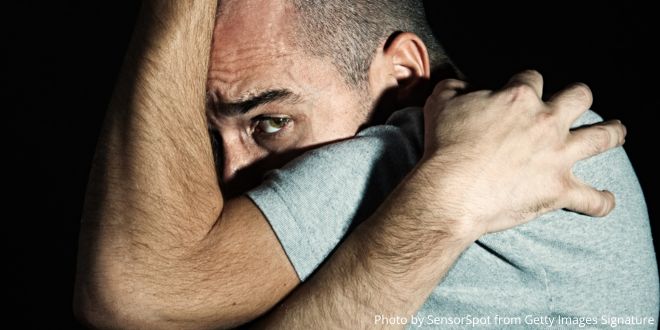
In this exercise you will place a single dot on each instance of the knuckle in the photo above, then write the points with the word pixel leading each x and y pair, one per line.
pixel 611 202
pixel 597 140
pixel 482 92
pixel 604 204
pixel 602 137
pixel 439 87
pixel 619 131
pixel 624 130
pixel 532 72
pixel 590 203
pixel 596 206
pixel 589 207
pixel 520 92
pixel 447 84
pixel 583 90
pixel 565 186
pixel 547 120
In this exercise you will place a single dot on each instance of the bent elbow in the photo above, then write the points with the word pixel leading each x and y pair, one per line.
pixel 113 306
pixel 94 309
pixel 91 313
pixel 107 305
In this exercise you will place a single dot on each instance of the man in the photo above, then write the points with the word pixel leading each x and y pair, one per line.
pixel 161 248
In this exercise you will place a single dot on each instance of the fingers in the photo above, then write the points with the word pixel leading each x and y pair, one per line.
pixel 571 102
pixel 448 88
pixel 592 140
pixel 588 200
pixel 529 78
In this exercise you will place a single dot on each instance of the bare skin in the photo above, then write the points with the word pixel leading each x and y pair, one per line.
pixel 161 248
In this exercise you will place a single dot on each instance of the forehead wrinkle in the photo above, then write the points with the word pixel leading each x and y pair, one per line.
pixel 230 54
pixel 232 78
pixel 252 43
pixel 252 99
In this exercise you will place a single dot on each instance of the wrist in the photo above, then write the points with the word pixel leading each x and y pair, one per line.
pixel 449 208
pixel 416 222
pixel 406 252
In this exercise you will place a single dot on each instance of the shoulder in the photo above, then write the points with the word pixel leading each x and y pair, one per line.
pixel 610 259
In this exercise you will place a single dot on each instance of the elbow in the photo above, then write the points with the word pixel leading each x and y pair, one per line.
pixel 108 295
pixel 95 309
pixel 129 289
pixel 92 295
pixel 105 305
pixel 117 304
pixel 98 313
pixel 92 313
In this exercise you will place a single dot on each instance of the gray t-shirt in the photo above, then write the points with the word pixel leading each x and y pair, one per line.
pixel 563 267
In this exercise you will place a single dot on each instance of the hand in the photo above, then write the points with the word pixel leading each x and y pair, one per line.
pixel 505 157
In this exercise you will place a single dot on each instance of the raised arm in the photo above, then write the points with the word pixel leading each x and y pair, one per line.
pixel 158 246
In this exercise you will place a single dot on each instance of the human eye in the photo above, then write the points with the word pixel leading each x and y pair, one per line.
pixel 269 125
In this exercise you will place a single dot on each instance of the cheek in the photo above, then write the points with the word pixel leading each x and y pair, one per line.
pixel 336 121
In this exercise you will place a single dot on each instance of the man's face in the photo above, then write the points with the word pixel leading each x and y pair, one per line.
pixel 267 96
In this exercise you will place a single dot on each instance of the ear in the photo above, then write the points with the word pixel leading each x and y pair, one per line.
pixel 408 59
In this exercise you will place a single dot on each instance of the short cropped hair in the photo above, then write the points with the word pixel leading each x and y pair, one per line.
pixel 349 31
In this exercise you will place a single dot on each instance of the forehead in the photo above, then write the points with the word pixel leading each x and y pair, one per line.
pixel 254 21
pixel 252 46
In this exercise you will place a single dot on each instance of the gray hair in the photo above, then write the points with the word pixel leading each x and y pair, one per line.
pixel 349 31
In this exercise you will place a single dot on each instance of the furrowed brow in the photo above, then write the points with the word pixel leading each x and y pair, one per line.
pixel 244 106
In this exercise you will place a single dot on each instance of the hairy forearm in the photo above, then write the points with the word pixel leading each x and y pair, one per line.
pixel 154 158
pixel 153 188
pixel 387 267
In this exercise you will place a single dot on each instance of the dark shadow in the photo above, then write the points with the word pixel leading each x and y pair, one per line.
pixel 252 175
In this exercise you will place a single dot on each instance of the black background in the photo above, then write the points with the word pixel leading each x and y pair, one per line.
pixel 62 59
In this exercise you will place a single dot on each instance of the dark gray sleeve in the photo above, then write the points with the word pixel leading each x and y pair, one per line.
pixel 313 201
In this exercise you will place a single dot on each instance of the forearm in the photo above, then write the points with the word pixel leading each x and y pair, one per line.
pixel 153 189
pixel 154 157
pixel 387 266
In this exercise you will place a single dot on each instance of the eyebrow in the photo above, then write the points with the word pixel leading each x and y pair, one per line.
pixel 249 103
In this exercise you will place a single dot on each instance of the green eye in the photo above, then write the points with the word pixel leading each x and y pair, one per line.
pixel 270 125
